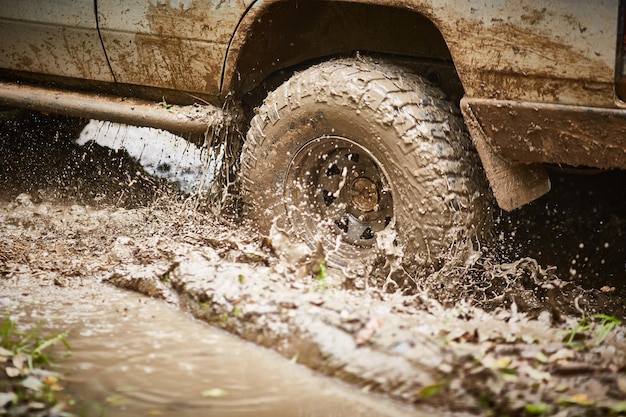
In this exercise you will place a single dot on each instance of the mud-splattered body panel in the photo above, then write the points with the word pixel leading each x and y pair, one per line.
pixel 52 37
pixel 554 52
pixel 175 44
pixel 545 51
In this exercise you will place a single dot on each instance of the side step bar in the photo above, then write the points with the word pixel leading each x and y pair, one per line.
pixel 194 119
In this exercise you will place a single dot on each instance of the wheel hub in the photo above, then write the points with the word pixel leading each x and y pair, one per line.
pixel 364 194
pixel 338 192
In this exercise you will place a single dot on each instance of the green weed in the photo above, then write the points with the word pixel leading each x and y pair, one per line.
pixel 607 324
pixel 29 343
pixel 321 272
pixel 24 352
pixel 165 104
pixel 602 323
pixel 321 276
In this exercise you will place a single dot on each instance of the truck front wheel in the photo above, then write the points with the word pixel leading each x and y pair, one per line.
pixel 364 160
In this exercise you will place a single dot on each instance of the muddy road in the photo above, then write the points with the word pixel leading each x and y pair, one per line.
pixel 528 326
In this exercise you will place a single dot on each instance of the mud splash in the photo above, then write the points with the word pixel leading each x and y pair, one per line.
pixel 489 337
pixel 161 154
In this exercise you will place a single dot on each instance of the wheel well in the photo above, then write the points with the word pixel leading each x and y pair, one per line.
pixel 286 35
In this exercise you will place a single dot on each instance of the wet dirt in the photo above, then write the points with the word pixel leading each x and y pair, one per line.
pixel 137 356
pixel 500 334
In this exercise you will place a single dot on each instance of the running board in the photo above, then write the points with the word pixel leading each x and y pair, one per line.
pixel 192 119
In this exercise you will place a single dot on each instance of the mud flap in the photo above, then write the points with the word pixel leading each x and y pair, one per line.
pixel 513 184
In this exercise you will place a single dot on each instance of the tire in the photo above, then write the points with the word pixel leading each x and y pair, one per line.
pixel 365 160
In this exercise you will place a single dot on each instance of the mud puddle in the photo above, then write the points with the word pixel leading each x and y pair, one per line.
pixel 135 356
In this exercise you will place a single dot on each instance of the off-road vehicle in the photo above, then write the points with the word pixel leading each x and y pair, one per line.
pixel 363 117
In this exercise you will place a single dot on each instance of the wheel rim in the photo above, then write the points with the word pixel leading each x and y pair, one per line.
pixel 338 194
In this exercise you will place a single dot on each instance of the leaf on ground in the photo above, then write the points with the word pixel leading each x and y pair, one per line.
pixel 619 407
pixel 430 391
pixel 537 408
pixel 213 393
pixel 509 375
pixel 537 374
pixel 541 357
pixel 36 405
pixel 503 363
pixel 561 388
pixel 53 383
pixel 12 372
pixel 32 383
pixel 19 360
pixel 7 397
pixel 561 354
pixel 50 380
pixel 577 399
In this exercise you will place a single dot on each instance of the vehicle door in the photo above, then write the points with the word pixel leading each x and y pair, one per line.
pixel 172 44
pixel 55 37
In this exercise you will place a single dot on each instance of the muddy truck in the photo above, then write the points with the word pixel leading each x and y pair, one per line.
pixel 377 132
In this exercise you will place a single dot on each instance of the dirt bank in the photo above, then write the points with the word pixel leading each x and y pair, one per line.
pixel 501 335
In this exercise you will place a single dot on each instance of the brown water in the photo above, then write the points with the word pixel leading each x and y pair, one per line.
pixel 134 356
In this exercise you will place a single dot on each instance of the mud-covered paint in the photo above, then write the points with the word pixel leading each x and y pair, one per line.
pixel 281 35
pixel 172 44
pixel 554 52
pixel 557 51
pixel 52 37
pixel 569 135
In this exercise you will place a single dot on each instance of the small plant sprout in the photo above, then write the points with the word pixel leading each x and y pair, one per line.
pixel 29 343
pixel 28 392
pixel 607 324
pixel 321 272
pixel 581 327
pixel 165 104
pixel 321 276
pixel 602 323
